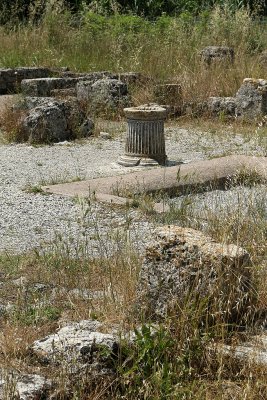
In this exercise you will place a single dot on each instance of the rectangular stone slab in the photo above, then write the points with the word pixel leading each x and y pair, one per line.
pixel 168 179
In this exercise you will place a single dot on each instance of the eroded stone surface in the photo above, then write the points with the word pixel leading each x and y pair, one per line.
pixel 182 261
pixel 252 352
pixel 251 98
pixel 80 342
pixel 53 120
pixel 212 54
pixel 222 105
pixel 10 79
pixel 250 101
pixel 104 95
pixel 17 386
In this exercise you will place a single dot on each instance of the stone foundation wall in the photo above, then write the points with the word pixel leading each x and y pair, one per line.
pixel 10 79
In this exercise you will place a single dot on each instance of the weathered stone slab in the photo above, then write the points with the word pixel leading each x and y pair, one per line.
pixel 10 79
pixel 251 98
pixel 104 95
pixel 253 351
pixel 81 342
pixel 250 101
pixel 211 54
pixel 182 264
pixel 173 180
pixel 45 86
pixel 222 106
pixel 15 386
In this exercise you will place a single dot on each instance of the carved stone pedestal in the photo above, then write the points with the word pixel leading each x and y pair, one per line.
pixel 145 142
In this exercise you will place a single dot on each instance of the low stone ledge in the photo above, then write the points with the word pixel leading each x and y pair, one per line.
pixel 199 174
pixel 10 79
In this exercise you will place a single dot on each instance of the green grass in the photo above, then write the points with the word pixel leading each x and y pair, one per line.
pixel 166 49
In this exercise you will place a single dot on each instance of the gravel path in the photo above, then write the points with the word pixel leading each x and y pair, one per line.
pixel 29 220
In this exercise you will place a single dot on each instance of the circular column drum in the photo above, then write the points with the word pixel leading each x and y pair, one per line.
pixel 145 142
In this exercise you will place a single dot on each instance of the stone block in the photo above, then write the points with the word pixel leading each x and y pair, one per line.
pixel 104 95
pixel 183 264
pixel 53 120
pixel 81 342
pixel 211 54
pixel 23 386
pixel 251 99
pixel 44 86
pixel 222 105
pixel 10 79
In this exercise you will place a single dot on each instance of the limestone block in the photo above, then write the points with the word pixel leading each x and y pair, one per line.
pixel 45 124
pixel 183 263
pixel 53 120
pixel 23 386
pixel 104 95
pixel 10 79
pixel 44 86
pixel 80 342
pixel 211 54
pixel 251 98
pixel 222 105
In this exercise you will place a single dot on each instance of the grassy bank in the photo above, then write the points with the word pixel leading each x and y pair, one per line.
pixel 166 49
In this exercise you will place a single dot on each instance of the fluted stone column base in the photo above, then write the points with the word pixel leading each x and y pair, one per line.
pixel 145 143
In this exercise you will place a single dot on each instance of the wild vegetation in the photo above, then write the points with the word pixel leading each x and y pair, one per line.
pixel 175 359
pixel 166 48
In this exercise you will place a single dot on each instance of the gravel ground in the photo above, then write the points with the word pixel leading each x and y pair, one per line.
pixel 238 202
pixel 33 220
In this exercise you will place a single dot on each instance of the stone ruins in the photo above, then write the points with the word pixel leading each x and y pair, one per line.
pixel 250 101
pixel 214 54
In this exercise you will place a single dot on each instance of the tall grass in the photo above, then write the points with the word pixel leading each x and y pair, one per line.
pixel 166 49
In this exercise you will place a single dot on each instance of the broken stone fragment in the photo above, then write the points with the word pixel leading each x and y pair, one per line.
pixel 78 343
pixel 254 351
pixel 181 263
pixel 53 120
pixel 211 54
pixel 222 105
pixel 16 386
pixel 251 98
pixel 250 101
pixel 10 79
